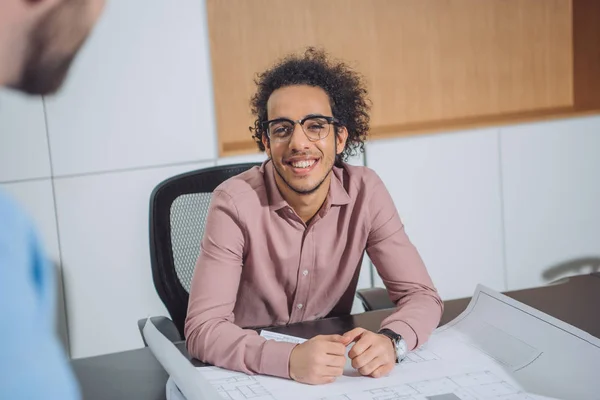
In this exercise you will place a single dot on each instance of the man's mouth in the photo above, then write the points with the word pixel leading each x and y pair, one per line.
pixel 302 166
pixel 303 163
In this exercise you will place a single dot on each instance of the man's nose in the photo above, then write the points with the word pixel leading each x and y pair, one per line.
pixel 299 140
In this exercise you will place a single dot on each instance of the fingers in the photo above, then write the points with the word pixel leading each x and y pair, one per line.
pixel 382 370
pixel 319 360
pixel 352 335
pixel 322 380
pixel 331 338
pixel 333 348
pixel 372 355
pixel 331 372
pixel 361 345
pixel 334 361
pixel 371 366
pixel 363 359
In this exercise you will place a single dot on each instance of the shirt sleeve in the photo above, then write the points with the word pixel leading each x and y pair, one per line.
pixel 210 331
pixel 418 305
pixel 32 362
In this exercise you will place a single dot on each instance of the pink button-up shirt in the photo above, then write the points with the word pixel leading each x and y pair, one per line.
pixel 261 265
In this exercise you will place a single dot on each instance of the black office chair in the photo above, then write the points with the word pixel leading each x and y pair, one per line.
pixel 178 210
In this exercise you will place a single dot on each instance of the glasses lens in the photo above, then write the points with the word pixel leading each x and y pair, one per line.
pixel 316 128
pixel 280 130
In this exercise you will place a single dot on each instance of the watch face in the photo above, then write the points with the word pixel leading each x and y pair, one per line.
pixel 401 349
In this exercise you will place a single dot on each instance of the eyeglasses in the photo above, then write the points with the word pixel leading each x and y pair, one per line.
pixel 315 127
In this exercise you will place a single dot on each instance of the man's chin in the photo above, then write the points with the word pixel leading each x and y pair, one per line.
pixel 300 186
pixel 43 79
pixel 304 190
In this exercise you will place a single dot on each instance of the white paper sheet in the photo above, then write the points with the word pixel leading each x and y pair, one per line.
pixel 186 377
pixel 173 392
pixel 280 337
pixel 545 355
pixel 496 349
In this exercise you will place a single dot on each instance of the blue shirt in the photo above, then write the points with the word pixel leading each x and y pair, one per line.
pixel 32 362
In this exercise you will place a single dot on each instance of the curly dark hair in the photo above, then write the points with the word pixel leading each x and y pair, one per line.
pixel 346 90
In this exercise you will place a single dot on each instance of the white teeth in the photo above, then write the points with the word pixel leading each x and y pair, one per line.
pixel 303 164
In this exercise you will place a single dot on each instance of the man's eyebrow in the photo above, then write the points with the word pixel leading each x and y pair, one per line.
pixel 278 119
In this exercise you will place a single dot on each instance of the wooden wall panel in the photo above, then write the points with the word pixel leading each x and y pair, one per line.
pixel 427 62
pixel 586 53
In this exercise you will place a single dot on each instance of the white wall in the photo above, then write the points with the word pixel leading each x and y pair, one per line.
pixel 496 206
pixel 551 185
pixel 512 207
pixel 446 188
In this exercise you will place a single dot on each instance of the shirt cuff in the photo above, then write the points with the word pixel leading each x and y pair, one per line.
pixel 275 360
pixel 403 329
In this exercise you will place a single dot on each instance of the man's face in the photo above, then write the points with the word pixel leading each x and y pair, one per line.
pixel 301 164
pixel 53 44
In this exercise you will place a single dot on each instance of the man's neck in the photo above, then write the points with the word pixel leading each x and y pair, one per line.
pixel 305 205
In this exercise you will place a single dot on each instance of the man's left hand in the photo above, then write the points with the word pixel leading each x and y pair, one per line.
pixel 373 354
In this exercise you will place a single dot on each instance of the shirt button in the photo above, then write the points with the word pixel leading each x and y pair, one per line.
pixel 299 306
pixel 305 272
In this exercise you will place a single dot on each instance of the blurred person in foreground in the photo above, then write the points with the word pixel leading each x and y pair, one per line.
pixel 38 42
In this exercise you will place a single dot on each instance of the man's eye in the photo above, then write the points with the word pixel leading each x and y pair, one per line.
pixel 281 130
pixel 316 127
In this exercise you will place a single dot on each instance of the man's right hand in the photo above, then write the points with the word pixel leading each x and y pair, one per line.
pixel 318 360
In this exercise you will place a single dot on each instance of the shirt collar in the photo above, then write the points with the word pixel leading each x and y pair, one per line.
pixel 337 195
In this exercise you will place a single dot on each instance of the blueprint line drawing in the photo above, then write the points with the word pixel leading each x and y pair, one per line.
pixel 419 356
pixel 240 388
pixel 482 385
pixel 498 349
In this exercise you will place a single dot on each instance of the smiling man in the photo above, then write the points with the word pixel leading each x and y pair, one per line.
pixel 284 242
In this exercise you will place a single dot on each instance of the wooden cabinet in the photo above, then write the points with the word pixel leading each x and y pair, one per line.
pixel 431 65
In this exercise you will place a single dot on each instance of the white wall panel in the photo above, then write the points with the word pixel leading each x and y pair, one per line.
pixel 23 141
pixel 551 180
pixel 447 191
pixel 139 93
pixel 103 223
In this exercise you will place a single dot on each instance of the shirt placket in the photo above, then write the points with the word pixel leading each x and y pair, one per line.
pixel 305 272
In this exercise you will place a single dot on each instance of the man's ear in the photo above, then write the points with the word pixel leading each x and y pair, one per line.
pixel 36 8
pixel 340 139
pixel 267 144
pixel 50 3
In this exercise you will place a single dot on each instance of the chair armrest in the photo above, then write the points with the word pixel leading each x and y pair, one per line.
pixel 164 326
pixel 374 299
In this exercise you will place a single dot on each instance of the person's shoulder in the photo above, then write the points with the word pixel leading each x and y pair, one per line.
pixel 246 185
pixel 17 235
pixel 360 177
pixel 13 218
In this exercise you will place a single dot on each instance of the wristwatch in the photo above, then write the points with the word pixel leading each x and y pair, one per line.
pixel 399 344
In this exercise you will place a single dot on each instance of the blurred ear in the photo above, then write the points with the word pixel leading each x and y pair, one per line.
pixel 40 3
pixel 340 138
pixel 31 9
pixel 267 144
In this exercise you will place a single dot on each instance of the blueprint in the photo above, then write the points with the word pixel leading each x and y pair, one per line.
pixel 185 382
pixel 496 349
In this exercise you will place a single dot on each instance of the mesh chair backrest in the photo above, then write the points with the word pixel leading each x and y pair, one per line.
pixel 178 210
pixel 188 215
